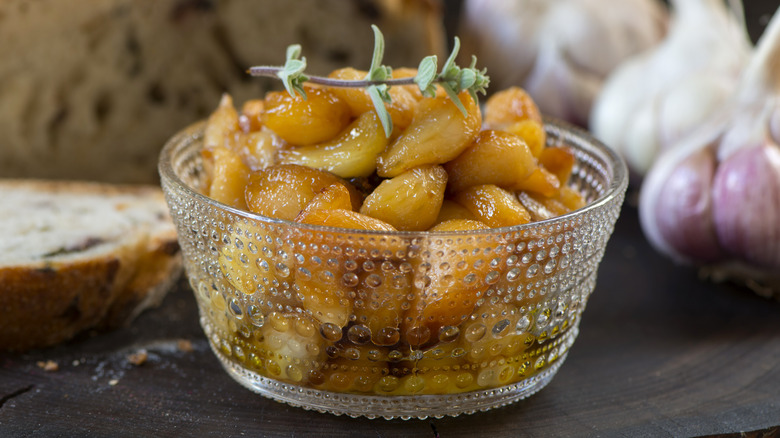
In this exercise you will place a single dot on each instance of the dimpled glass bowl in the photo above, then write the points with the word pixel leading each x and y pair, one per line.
pixel 402 324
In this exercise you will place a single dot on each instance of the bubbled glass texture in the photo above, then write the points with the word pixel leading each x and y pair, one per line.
pixel 403 324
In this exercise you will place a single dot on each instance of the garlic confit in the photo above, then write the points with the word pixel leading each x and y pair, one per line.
pixel 656 98
pixel 560 51
pixel 714 199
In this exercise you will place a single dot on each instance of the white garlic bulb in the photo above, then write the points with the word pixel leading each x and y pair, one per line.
pixel 560 51
pixel 656 98
pixel 714 199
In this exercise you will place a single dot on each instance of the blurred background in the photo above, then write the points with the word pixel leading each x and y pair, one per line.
pixel 91 90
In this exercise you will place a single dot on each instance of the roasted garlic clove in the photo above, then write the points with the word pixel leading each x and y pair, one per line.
pixel 438 133
pixel 410 201
pixel 452 210
pixel 229 176
pixel 346 219
pixel 351 154
pixel 494 206
pixel 258 149
pixel 333 197
pixel 459 225
pixel 316 119
pixel 282 191
pixel 221 124
pixel 495 157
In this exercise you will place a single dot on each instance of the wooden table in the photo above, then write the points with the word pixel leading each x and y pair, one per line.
pixel 660 353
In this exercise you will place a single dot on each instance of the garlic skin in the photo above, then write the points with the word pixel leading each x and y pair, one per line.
pixel 684 210
pixel 658 97
pixel 746 204
pixel 713 199
pixel 560 51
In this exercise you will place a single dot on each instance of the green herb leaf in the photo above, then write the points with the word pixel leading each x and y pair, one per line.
pixel 377 71
pixel 292 73
pixel 452 78
pixel 426 74
pixel 378 98
pixel 293 51
pixel 482 80
pixel 449 70
pixel 466 79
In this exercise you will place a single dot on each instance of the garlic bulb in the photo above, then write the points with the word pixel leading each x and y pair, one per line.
pixel 656 98
pixel 714 199
pixel 560 51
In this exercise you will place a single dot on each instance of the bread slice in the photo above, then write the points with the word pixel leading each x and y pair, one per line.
pixel 78 255
pixel 92 89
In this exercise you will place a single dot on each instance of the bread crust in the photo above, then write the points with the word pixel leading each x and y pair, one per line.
pixel 46 305
pixel 156 271
pixel 47 301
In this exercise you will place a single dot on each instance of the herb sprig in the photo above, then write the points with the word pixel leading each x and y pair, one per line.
pixel 452 78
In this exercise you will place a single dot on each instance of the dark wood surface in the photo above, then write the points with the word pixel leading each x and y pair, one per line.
pixel 660 353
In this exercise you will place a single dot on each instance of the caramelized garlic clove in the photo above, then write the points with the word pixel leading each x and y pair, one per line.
pixel 229 177
pixel 459 225
pixel 493 206
pixel 438 133
pixel 341 218
pixel 284 190
pixel 495 157
pixel 221 125
pixel 316 119
pixel 410 201
pixel 351 154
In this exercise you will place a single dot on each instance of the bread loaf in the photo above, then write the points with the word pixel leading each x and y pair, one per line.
pixel 92 89
pixel 76 256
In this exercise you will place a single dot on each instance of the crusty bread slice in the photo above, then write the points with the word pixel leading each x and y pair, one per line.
pixel 78 255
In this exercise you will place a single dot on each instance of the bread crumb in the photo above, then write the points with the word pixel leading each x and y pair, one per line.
pixel 49 365
pixel 185 345
pixel 138 358
pixel 113 382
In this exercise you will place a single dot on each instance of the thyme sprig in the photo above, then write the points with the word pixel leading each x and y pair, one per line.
pixel 451 78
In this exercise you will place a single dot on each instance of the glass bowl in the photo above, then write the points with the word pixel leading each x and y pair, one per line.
pixel 392 324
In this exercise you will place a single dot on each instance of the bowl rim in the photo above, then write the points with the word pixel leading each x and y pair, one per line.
pixel 616 188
